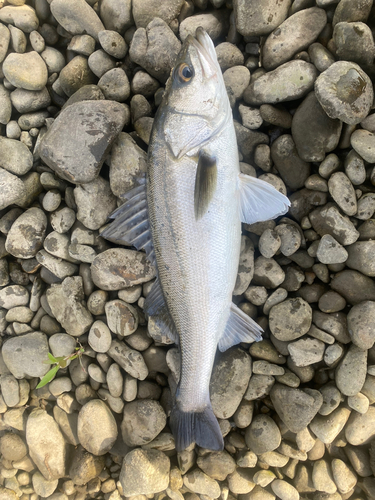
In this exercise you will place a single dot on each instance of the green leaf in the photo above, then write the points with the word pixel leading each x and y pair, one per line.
pixel 48 377
pixel 52 358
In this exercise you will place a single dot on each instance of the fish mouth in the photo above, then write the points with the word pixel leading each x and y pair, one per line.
pixel 206 52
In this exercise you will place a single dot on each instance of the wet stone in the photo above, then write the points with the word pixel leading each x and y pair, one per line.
pixel 345 91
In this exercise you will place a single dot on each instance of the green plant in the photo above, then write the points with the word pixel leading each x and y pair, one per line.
pixel 59 362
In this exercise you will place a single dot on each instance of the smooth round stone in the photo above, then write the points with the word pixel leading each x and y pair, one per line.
pixel 331 302
pixel 15 157
pixel 62 220
pixel 217 465
pixel 320 56
pixel 289 81
pixel 361 257
pixel 330 251
pixel 345 91
pixel 332 354
pixel 42 486
pixel 264 17
pixel 346 11
pixel 12 447
pixel 54 59
pixel 13 130
pixel 113 43
pixel 143 421
pixel 23 17
pixel 355 168
pixel 361 428
pixel 232 371
pixel 60 385
pixel 327 428
pixel 27 101
pixel 342 191
pixel 5 38
pixel 284 490
pixel 51 200
pixel 292 169
pixel 100 337
pixel 351 373
pixel 100 62
pixel 359 403
pixel 290 319
pixel 122 318
pixel 361 324
pixel 77 17
pixel 198 482
pixel 135 481
pixel 116 15
pixel 115 380
pixel 76 74
pixel 228 55
pixel 322 477
pixel 37 41
pixel 97 428
pixel 295 34
pixel 5 105
pixel 21 314
pixel 306 351
pixel 257 295
pixel 236 79
pixel 26 71
pixel 290 238
pixel 354 42
pixel 144 84
pixel 115 85
pixel 344 478
pixel 263 435
pixel 26 235
pixel 363 142
pixel 96 373
pixel 267 273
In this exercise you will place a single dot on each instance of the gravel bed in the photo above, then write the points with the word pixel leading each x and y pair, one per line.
pixel 79 85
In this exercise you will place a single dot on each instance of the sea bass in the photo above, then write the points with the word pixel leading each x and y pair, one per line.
pixel 187 217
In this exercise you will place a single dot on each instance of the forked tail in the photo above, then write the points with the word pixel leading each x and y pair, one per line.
pixel 201 428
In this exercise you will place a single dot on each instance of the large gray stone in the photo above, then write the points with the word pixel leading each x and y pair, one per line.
pixel 254 19
pixel 77 17
pixel 96 427
pixel 25 355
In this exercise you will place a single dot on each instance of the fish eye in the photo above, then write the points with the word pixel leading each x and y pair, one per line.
pixel 185 73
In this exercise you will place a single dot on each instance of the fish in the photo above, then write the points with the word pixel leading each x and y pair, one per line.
pixel 186 215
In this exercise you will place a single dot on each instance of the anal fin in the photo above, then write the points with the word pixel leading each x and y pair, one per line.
pixel 156 307
pixel 239 328
pixel 259 200
pixel 131 225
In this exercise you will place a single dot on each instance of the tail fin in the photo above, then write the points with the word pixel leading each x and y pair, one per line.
pixel 201 428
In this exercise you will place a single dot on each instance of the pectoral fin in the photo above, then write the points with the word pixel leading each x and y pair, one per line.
pixel 205 183
pixel 259 200
pixel 240 328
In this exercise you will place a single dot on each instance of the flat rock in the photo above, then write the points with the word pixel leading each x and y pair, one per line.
pixel 290 319
pixel 295 407
pixel 361 324
pixel 66 303
pixel 42 436
pixel 25 355
pixel 294 35
pixel 15 156
pixel 155 48
pixel 142 422
pixel 77 17
pixel 26 71
pixel 229 380
pixel 345 91
pixel 78 141
pixel 144 472
pixel 119 268
pixel 314 132
pixel 97 428
pixel 26 235
pixel 288 82
pixel 255 20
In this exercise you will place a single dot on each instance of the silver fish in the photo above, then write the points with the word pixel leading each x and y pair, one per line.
pixel 187 217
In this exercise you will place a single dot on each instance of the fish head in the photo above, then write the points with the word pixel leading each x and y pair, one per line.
pixel 196 105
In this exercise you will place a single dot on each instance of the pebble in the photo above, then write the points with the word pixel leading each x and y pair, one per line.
pixel 359 402
pixel 327 428
pixel 84 149
pixel 100 62
pixel 118 268
pixel 293 35
pixel 26 71
pixel 354 42
pixel 5 105
pixel 24 356
pixel 229 380
pixel 329 220
pixel 97 429
pixel 42 436
pixel 23 17
pixel 213 22
pixel 345 91
pixel 12 189
pixel 276 86
pixel 322 477
pixel 27 101
pixel 239 482
pixel 267 273
pixel 263 20
pixel 262 435
pixel 155 49
pixel 135 481
pixel 77 17
pixel 198 482
pixel 360 428
pixel 95 202
pixel 65 301
pixel 236 80
pixel 84 467
pixel 360 324
pixel 343 476
pixel 290 319
pixel 115 85
pixel 74 76
pixel 293 170
pixel 100 337
pixel 284 490
pixel 143 421
pixel 306 351
pixel 130 360
pixel 330 251
pixel 145 13
pixel 113 43
pixel 116 15
pixel 360 257
pixel 351 373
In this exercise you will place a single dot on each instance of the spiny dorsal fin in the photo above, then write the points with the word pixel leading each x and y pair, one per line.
pixel 205 183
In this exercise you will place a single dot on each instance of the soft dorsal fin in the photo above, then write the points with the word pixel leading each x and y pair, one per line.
pixel 239 328
pixel 259 200
pixel 156 307
pixel 205 183
pixel 131 225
